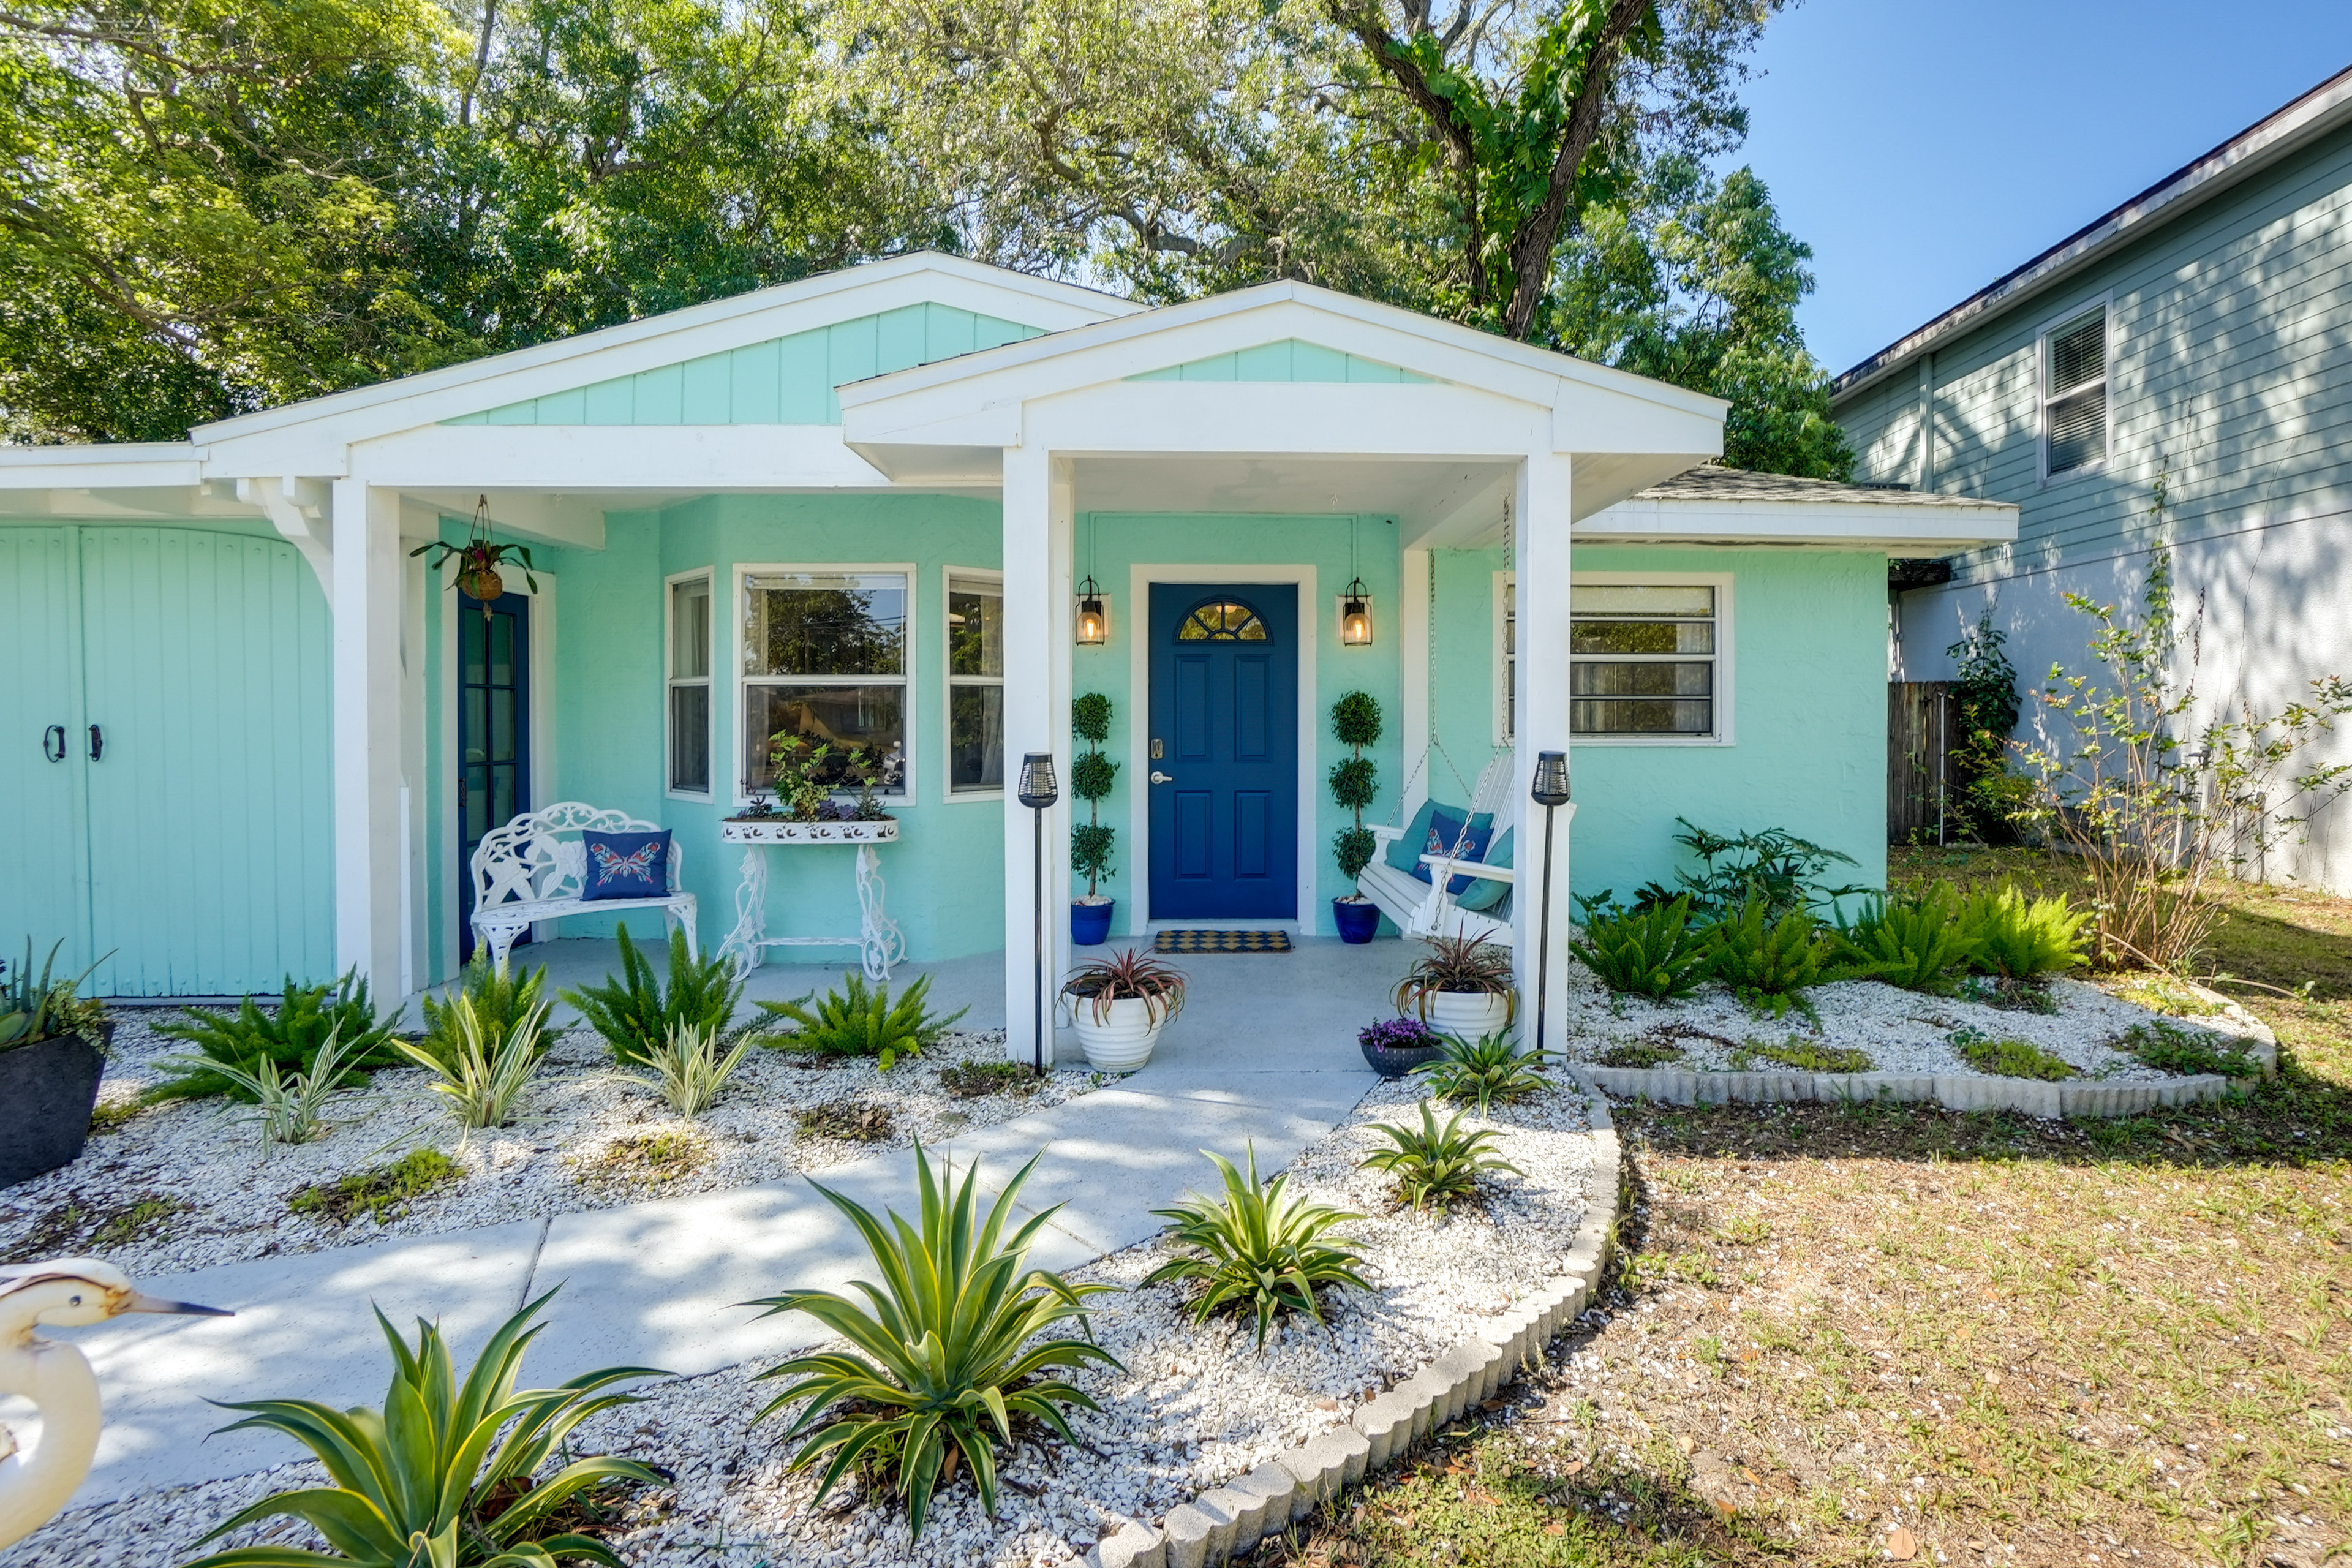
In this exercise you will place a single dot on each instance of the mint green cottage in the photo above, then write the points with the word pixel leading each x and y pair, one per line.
pixel 250 732
pixel 2201 331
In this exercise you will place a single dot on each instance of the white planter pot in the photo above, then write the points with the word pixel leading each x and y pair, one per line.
pixel 1120 1038
pixel 1467 1015
pixel 777 830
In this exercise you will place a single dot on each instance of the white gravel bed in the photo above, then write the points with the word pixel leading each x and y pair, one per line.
pixel 1900 1031
pixel 1194 1407
pixel 579 1141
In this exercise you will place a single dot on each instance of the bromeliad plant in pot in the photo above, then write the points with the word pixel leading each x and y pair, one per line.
pixel 1118 1005
pixel 52 1050
pixel 1462 986
pixel 1092 774
pixel 1355 783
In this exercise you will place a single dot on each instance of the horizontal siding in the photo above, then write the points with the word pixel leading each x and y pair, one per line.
pixel 783 381
pixel 1290 360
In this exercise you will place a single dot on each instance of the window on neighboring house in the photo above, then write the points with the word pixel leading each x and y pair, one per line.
pixel 825 661
pixel 689 684
pixel 2074 395
pixel 1643 659
pixel 975 683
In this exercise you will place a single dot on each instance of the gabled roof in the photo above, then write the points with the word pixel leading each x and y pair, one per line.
pixel 2261 145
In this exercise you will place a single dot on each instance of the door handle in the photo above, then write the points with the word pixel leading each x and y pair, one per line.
pixel 55 735
pixel 96 743
pixel 1159 777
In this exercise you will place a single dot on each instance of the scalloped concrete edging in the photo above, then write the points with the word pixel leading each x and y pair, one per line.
pixel 1227 1520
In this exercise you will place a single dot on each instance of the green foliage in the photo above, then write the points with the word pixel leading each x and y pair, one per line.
pixel 1484 1070
pixel 945 1358
pixel 33 1009
pixel 1356 723
pixel 290 1104
pixel 1353 848
pixel 2017 937
pixel 2008 1058
pixel 1260 1249
pixel 1090 715
pixel 1092 775
pixel 288 1039
pixel 1776 867
pixel 1091 845
pixel 429 1481
pixel 1132 974
pixel 1800 1055
pixel 1985 687
pixel 1434 1165
pixel 693 1067
pixel 1767 962
pixel 1640 1054
pixel 636 1013
pixel 382 1195
pixel 1355 782
pixel 1912 940
pixel 861 1021
pixel 501 1001
pixel 1465 966
pixel 1652 952
pixel 487 1068
pixel 2168 1048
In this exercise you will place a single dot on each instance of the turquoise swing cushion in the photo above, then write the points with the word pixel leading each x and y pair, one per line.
pixel 1484 892
pixel 1405 851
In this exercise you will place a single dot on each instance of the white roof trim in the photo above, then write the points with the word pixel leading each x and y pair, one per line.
pixel 1860 525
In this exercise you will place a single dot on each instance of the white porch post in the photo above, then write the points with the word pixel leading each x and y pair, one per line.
pixel 1414 728
pixel 368 867
pixel 1540 560
pixel 1039 504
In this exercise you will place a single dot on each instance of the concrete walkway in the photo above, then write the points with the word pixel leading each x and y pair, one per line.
pixel 1264 1053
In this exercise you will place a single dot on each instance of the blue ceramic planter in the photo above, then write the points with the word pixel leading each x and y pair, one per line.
pixel 1358 921
pixel 1090 924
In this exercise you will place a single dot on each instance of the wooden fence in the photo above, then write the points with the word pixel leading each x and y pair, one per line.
pixel 1923 723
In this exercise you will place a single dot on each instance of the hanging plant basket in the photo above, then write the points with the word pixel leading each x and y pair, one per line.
pixel 481 583
pixel 478 560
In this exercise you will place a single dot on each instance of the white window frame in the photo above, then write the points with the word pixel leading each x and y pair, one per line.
pixel 737 682
pixel 671 680
pixel 1724 710
pixel 949 682
pixel 2044 397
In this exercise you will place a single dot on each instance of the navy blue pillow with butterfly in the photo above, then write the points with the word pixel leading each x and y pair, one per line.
pixel 625 865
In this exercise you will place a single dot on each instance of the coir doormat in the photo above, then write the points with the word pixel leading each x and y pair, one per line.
pixel 1221 941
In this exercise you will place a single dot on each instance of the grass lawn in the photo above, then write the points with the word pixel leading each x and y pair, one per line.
pixel 1844 1335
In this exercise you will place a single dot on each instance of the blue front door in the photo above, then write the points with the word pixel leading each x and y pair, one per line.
pixel 1223 752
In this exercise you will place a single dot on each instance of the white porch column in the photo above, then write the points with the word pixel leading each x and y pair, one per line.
pixel 1541 559
pixel 1415 732
pixel 368 680
pixel 1039 503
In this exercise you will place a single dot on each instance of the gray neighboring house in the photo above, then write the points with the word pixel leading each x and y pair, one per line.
pixel 2202 330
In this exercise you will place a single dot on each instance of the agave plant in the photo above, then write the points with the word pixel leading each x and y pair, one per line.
pixel 1134 974
pixel 1435 1165
pixel 948 1360
pixel 488 1063
pixel 429 1482
pixel 861 1021
pixel 33 1009
pixel 1465 966
pixel 291 1104
pixel 693 1067
pixel 1481 1071
pixel 1260 1248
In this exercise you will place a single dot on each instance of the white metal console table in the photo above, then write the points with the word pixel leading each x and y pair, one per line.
pixel 878 940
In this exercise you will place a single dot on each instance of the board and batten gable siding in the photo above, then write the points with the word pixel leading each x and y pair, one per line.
pixel 783 381
pixel 1290 360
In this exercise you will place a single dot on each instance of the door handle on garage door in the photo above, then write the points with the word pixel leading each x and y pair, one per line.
pixel 96 743
pixel 55 735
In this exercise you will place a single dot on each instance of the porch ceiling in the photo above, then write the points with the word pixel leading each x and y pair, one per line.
pixel 1461 500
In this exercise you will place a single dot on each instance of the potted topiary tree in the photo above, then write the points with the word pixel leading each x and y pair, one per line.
pixel 1092 775
pixel 52 1050
pixel 1355 782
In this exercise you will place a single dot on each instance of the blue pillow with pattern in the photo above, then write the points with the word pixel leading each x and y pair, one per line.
pixel 625 865
pixel 1449 835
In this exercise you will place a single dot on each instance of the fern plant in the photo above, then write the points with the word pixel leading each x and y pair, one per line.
pixel 693 1067
pixel 291 1104
pixel 1913 942
pixel 1652 951
pixel 1767 962
pixel 2019 937
pixel 1260 1249
pixel 861 1021
pixel 951 1351
pixel 487 1064
pixel 499 1000
pixel 289 1040
pixel 636 1013
pixel 1436 1165
pixel 1484 1070
pixel 429 1481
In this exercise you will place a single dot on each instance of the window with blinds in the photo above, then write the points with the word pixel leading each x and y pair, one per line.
pixel 1641 659
pixel 2074 395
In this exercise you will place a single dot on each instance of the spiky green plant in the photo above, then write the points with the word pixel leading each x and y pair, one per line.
pixel 499 1000
pixel 1483 1071
pixel 1768 962
pixel 34 1009
pixel 1915 940
pixel 693 1067
pixel 1463 965
pixel 487 1066
pixel 2019 937
pixel 636 1013
pixel 290 1104
pixel 429 1482
pixel 1436 1165
pixel 2008 1058
pixel 1260 1248
pixel 290 1038
pixel 947 1355
pixel 861 1021
pixel 1652 951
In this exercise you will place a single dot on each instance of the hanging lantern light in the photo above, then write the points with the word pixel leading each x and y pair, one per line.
pixel 1094 621
pixel 1356 616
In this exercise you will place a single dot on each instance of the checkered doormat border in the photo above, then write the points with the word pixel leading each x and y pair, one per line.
pixel 1221 941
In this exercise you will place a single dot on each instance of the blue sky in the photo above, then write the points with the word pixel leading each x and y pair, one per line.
pixel 1923 151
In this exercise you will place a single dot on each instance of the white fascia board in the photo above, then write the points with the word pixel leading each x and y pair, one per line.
pixel 572 458
pixel 1898 529
pixel 1282 418
pixel 1588 419
pixel 304 436
pixel 127 465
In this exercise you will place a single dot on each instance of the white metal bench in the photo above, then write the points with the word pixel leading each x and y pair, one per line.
pixel 1426 909
pixel 532 869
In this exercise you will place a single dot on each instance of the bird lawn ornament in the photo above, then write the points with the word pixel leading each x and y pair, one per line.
pixel 64 1293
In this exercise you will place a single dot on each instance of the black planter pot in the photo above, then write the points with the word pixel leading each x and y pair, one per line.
pixel 47 1091
pixel 1398 1063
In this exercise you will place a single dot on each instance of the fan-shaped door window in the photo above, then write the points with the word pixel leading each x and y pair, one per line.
pixel 1222 620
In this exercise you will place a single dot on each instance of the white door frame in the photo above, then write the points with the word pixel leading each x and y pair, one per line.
pixel 1140 576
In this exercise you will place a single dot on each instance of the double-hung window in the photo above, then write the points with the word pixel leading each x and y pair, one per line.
pixel 975 644
pixel 825 661
pixel 689 684
pixel 2074 394
pixel 1642 660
